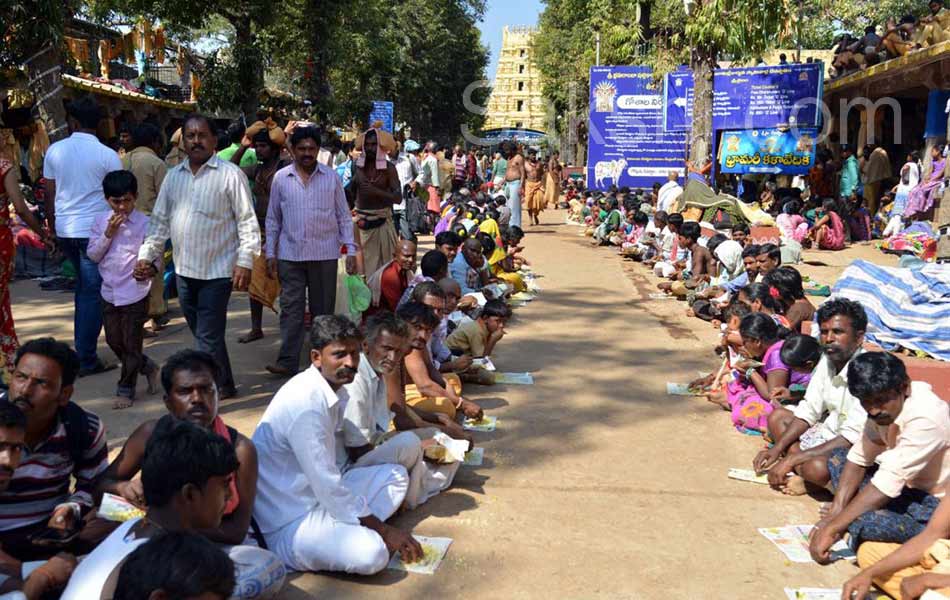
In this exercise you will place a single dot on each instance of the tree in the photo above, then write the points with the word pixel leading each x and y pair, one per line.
pixel 32 35
pixel 237 73
pixel 417 53
pixel 736 28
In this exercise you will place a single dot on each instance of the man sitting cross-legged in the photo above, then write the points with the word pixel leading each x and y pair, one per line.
pixel 191 395
pixel 887 485
pixel 186 478
pixel 367 418
pixel 700 268
pixel 906 570
pixel 35 583
pixel 442 358
pixel 829 416
pixel 313 515
pixel 428 389
pixel 63 442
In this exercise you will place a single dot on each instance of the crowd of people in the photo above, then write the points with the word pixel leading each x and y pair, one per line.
pixel 838 419
pixel 897 37
pixel 357 433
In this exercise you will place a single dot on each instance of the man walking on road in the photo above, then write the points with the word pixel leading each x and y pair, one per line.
pixel 307 222
pixel 205 207
pixel 534 186
pixel 74 169
pixel 514 181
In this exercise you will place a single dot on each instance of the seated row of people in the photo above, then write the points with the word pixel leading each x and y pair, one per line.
pixel 839 419
pixel 339 450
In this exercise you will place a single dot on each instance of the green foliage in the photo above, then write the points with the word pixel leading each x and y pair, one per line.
pixel 419 54
pixel 28 25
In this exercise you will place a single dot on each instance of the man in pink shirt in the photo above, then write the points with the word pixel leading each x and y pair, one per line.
pixel 890 484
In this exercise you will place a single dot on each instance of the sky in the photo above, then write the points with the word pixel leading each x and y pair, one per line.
pixel 501 13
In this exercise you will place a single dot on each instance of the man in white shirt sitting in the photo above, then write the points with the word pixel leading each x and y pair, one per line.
pixel 367 418
pixel 829 417
pixel 669 193
pixel 312 515
pixel 890 484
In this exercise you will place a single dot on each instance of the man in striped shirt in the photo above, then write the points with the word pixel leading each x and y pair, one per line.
pixel 308 220
pixel 62 441
pixel 205 207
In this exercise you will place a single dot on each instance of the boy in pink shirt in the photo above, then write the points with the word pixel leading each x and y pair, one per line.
pixel 114 244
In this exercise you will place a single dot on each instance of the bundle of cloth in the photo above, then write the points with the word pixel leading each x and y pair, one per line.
pixel 905 307
pixel 700 202
pixel 919 239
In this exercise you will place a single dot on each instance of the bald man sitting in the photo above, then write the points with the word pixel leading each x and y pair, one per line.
pixel 390 282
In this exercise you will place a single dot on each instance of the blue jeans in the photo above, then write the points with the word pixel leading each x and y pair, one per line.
pixel 205 304
pixel 901 519
pixel 87 320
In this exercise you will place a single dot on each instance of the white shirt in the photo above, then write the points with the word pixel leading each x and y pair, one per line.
pixel 299 446
pixel 92 573
pixel 827 394
pixel 406 171
pixel 78 164
pixel 670 191
pixel 914 451
pixel 367 415
pixel 210 219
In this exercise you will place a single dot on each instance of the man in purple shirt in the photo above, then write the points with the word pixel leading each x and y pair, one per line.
pixel 308 221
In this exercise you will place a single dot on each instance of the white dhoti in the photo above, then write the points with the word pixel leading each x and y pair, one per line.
pixel 405 448
pixel 316 541
pixel 663 269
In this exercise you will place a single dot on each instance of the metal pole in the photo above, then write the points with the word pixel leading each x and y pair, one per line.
pixel 597 53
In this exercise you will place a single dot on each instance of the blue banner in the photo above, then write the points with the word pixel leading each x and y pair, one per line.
pixel 749 97
pixel 383 112
pixel 791 152
pixel 626 144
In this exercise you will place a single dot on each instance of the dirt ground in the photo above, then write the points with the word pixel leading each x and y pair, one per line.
pixel 596 484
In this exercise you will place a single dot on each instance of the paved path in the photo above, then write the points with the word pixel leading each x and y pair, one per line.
pixel 596 483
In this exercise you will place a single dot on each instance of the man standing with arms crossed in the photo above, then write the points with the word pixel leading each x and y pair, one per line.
pixel 514 182
pixel 205 207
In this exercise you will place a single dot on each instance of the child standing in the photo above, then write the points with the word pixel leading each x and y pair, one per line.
pixel 114 243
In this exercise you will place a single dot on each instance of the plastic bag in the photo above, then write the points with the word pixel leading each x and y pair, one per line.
pixel 359 295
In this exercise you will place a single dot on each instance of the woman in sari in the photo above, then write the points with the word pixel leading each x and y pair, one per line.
pixel 828 231
pixel 761 373
pixel 10 194
pixel 923 196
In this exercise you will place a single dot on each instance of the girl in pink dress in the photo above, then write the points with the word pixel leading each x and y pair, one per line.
pixel 828 232
pixel 791 223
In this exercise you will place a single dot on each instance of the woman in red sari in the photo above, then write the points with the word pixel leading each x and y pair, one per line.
pixel 10 193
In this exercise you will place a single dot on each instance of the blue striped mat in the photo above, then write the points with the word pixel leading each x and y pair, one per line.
pixel 906 307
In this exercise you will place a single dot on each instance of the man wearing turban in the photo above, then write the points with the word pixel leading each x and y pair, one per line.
pixel 377 189
pixel 267 140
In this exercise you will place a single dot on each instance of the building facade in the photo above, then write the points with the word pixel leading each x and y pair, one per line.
pixel 516 101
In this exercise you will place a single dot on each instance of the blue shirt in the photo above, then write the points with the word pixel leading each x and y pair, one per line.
pixel 467 277
pixel 737 284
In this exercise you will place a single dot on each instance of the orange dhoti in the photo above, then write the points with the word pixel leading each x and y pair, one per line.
pixel 417 400
pixel 534 196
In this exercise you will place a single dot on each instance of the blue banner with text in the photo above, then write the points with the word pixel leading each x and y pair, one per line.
pixel 749 97
pixel 626 143
pixel 791 152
